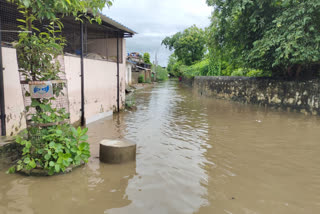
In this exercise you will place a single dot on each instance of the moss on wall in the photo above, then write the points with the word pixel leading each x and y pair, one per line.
pixel 10 151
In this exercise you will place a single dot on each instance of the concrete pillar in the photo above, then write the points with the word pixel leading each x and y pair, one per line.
pixel 117 151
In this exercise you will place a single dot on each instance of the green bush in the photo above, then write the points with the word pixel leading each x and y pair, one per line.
pixel 130 102
pixel 238 72
pixel 161 73
pixel 206 67
pixel 57 148
pixel 251 73
pixel 259 73
pixel 198 69
pixel 141 78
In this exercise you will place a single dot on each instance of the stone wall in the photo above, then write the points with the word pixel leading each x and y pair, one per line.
pixel 301 96
pixel 135 76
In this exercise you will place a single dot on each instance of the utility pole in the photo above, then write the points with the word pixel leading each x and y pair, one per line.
pixel 156 63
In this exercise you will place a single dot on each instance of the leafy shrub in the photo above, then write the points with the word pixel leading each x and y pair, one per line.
pixel 58 148
pixel 251 73
pixel 198 69
pixel 259 73
pixel 141 78
pixel 161 73
pixel 176 69
pixel 208 67
pixel 238 72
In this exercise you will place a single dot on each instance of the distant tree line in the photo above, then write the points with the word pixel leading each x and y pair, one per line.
pixel 278 38
pixel 161 73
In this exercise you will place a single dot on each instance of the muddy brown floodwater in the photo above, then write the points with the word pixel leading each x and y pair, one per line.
pixel 195 155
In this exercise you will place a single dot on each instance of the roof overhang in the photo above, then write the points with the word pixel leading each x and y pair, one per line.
pixel 130 62
pixel 116 26
pixel 142 68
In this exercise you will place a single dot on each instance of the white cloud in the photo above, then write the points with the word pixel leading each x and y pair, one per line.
pixel 155 19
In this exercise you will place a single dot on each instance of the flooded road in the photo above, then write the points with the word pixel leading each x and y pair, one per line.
pixel 195 155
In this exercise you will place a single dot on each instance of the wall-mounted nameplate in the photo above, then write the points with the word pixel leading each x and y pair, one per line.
pixel 41 89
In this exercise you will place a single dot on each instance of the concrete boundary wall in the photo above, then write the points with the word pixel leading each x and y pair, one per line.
pixel 100 89
pixel 14 105
pixel 300 96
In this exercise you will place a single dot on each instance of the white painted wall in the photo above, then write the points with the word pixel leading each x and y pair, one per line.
pixel 100 89
pixel 14 105
pixel 128 73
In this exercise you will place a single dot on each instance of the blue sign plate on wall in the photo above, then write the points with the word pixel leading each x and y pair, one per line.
pixel 41 89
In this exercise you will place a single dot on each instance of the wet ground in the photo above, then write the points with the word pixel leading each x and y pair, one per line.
pixel 195 155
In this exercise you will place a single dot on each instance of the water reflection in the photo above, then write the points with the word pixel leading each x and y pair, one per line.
pixel 266 161
pixel 170 162
pixel 91 189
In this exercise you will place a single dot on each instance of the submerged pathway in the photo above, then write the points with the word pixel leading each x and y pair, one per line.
pixel 195 155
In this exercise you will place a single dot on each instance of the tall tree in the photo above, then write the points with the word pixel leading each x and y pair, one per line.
pixel 49 9
pixel 146 58
pixel 189 46
pixel 277 35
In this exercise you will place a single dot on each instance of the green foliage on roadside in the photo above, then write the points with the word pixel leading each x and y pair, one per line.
pixel 161 74
pixel 254 38
pixel 250 73
pixel 56 149
pixel 51 9
pixel 198 69
pixel 141 78
pixel 258 73
pixel 205 68
pixel 269 35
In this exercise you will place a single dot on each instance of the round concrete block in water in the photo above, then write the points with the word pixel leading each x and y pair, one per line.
pixel 117 151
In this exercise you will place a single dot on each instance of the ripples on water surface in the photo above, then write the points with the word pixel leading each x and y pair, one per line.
pixel 195 155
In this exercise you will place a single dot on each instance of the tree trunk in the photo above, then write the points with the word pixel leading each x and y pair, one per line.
pixel 298 71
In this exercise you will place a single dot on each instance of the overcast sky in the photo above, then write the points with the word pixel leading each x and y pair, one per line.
pixel 153 20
